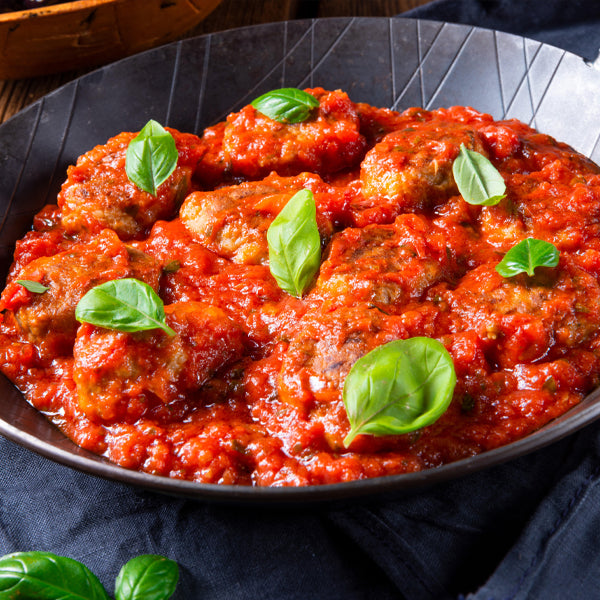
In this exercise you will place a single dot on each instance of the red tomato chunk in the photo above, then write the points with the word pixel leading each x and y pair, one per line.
pixel 248 390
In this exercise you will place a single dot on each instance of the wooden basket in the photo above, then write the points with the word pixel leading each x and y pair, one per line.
pixel 90 32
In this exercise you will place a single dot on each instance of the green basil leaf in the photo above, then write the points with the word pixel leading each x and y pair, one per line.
pixel 399 387
pixel 147 577
pixel 46 576
pixel 295 244
pixel 477 179
pixel 525 256
pixel 124 305
pixel 151 157
pixel 286 105
pixel 33 286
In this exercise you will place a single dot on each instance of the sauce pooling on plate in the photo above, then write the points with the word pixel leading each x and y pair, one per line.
pixel 244 383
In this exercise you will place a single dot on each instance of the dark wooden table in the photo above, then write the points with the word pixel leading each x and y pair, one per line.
pixel 16 94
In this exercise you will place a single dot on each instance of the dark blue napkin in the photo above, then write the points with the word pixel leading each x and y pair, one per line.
pixel 528 529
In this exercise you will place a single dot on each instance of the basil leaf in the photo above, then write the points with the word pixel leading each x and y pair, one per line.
pixel 151 157
pixel 399 387
pixel 33 286
pixel 477 179
pixel 525 256
pixel 147 577
pixel 295 244
pixel 46 576
pixel 286 105
pixel 124 305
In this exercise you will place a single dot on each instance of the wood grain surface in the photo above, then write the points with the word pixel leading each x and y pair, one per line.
pixel 17 94
pixel 86 33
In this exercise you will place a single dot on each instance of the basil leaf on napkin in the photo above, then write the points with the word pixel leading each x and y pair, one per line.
pixel 46 576
pixel 147 577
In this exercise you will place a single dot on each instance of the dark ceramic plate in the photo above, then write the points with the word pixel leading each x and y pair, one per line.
pixel 194 83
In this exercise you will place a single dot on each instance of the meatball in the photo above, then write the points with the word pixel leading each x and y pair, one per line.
pixel 376 122
pixel 522 319
pixel 387 265
pixel 326 346
pixel 410 169
pixel 253 144
pixel 120 376
pixel 233 221
pixel 577 223
pixel 98 194
pixel 48 319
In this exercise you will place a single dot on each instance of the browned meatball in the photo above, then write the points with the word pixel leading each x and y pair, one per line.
pixel 98 194
pixel 233 221
pixel 376 122
pixel 253 144
pixel 410 169
pixel 119 376
pixel 326 346
pixel 48 319
pixel 521 319
pixel 384 264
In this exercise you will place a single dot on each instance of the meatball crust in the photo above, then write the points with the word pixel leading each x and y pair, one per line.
pixel 48 319
pixel 233 221
pixel 119 376
pixel 410 169
pixel 253 144
pixel 326 346
pixel 387 265
pixel 98 194
pixel 526 319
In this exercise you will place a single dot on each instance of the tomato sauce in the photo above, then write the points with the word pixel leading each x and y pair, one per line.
pixel 249 390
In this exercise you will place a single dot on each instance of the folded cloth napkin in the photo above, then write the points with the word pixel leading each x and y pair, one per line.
pixel 527 529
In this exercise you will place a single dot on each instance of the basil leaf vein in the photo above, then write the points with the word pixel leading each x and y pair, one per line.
pixel 286 105
pixel 125 305
pixel 477 179
pixel 295 244
pixel 525 256
pixel 398 387
pixel 147 577
pixel 33 286
pixel 35 575
pixel 151 157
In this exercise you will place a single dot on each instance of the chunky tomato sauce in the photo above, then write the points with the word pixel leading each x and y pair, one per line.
pixel 249 390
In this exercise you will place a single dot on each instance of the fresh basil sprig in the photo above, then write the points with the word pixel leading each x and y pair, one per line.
pixel 286 105
pixel 477 179
pixel 34 575
pixel 399 387
pixel 295 244
pixel 124 305
pixel 525 256
pixel 147 577
pixel 47 576
pixel 151 157
pixel 32 286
